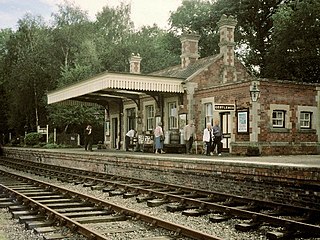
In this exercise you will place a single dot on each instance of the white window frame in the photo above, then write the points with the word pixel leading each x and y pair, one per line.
pixel 305 122
pixel 172 115
pixel 279 120
pixel 149 117
pixel 208 112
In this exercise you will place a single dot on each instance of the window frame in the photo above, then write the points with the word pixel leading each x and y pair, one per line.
pixel 172 115
pixel 150 114
pixel 283 119
pixel 309 120
pixel 208 118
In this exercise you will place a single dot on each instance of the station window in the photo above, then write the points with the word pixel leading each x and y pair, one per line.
pixel 131 119
pixel 305 120
pixel 173 115
pixel 278 118
pixel 149 117
pixel 208 114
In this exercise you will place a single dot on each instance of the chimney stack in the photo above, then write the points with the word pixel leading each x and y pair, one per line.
pixel 189 48
pixel 226 28
pixel 135 63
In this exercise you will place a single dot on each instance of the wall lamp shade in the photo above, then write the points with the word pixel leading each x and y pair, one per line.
pixel 254 92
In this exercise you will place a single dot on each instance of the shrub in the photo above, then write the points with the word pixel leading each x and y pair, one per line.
pixel 33 138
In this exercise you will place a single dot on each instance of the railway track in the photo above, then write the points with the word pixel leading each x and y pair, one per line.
pixel 45 207
pixel 293 221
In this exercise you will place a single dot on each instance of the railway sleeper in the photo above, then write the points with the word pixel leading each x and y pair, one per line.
pixel 116 193
pixel 195 212
pixel 156 202
pixel 145 198
pixel 28 218
pixel 130 194
pixel 56 236
pixel 36 224
pixel 100 219
pixel 245 227
pixel 17 214
pixel 178 208
pixel 97 187
pixel 220 218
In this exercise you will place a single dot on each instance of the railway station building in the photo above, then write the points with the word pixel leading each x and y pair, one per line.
pixel 264 116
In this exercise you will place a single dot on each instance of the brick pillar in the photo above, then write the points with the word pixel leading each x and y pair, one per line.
pixel 135 63
pixel 189 48
pixel 226 28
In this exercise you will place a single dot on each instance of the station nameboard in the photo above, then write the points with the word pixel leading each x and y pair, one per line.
pixel 224 107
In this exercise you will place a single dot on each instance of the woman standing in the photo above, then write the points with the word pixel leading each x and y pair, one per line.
pixel 158 139
pixel 207 138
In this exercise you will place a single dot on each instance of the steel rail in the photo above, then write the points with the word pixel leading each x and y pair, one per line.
pixel 157 222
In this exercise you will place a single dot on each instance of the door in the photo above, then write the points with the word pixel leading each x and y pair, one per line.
pixel 225 119
pixel 115 133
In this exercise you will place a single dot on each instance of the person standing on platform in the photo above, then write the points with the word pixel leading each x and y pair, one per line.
pixel 189 135
pixel 158 139
pixel 207 138
pixel 88 138
pixel 217 133
pixel 130 135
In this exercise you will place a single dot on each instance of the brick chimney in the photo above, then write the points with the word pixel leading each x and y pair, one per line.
pixel 226 28
pixel 135 63
pixel 189 48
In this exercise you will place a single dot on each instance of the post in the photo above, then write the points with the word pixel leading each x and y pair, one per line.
pixel 54 136
pixel 47 133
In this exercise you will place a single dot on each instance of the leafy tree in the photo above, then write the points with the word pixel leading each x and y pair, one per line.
pixel 112 32
pixel 27 73
pixel 295 52
pixel 199 16
pixel 70 29
pixel 158 48
pixel 4 38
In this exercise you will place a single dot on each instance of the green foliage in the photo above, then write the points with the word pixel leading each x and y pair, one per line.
pixel 33 138
pixel 64 117
pixel 295 53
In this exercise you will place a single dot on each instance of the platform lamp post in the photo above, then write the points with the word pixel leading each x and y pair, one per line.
pixel 254 95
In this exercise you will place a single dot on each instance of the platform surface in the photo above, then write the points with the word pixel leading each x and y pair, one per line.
pixel 301 161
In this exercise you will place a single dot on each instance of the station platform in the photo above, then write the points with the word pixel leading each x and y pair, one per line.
pixel 305 161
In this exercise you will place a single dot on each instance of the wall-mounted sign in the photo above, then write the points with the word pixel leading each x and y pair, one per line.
pixel 224 107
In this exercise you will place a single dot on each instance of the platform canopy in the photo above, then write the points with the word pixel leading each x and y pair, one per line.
pixel 108 86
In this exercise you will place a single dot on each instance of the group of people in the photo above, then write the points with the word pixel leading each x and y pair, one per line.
pixel 212 137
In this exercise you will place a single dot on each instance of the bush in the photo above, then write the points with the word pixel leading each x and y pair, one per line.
pixel 33 138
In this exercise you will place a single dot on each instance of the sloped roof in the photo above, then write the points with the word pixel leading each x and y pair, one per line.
pixel 179 72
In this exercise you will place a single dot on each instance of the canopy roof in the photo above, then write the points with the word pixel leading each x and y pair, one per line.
pixel 109 86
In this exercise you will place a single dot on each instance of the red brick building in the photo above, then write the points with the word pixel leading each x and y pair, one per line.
pixel 264 115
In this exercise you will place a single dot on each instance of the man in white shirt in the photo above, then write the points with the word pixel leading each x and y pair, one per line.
pixel 130 134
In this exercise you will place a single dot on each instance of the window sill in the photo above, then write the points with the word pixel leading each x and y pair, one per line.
pixel 313 131
pixel 279 130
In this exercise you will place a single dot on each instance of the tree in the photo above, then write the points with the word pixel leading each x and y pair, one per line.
pixel 158 48
pixel 295 52
pixel 112 31
pixel 252 34
pixel 28 73
pixel 4 38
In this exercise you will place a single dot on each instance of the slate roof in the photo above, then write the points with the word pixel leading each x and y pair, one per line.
pixel 177 71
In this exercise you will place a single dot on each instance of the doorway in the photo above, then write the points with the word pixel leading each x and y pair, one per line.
pixel 226 128
pixel 114 138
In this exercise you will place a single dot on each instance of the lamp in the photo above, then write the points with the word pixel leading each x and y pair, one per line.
pixel 254 92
